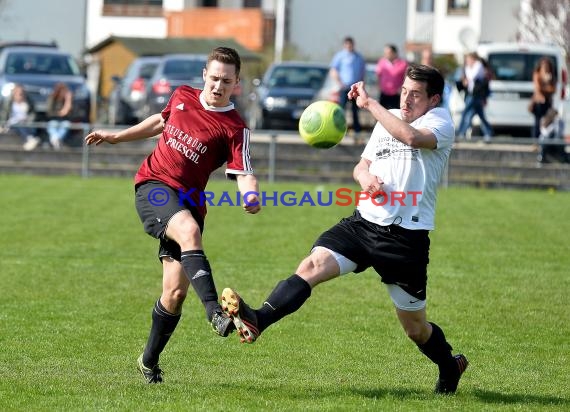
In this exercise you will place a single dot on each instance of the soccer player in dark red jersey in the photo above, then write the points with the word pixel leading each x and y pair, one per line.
pixel 199 131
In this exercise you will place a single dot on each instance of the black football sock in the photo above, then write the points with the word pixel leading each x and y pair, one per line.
pixel 287 297
pixel 163 324
pixel 199 273
pixel 439 351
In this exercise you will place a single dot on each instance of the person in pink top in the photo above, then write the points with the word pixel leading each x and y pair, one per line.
pixel 391 70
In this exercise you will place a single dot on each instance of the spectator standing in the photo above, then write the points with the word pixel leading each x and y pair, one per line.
pixel 544 82
pixel 17 110
pixel 427 57
pixel 59 106
pixel 391 71
pixel 475 82
pixel 348 67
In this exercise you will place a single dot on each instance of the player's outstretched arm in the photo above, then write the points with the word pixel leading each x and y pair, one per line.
pixel 149 127
pixel 249 188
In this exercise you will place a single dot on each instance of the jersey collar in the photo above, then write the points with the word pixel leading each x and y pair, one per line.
pixel 213 108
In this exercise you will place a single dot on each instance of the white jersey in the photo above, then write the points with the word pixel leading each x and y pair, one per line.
pixel 411 176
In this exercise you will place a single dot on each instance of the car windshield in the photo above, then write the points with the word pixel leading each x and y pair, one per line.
pixel 298 77
pixel 39 63
pixel 184 69
pixel 514 66
pixel 147 70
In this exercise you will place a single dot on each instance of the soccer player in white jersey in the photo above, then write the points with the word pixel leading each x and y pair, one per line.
pixel 399 172
pixel 199 131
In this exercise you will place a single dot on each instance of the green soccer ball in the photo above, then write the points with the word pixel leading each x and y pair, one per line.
pixel 322 124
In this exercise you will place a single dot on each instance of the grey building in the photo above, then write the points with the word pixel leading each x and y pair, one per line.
pixel 62 21
pixel 316 28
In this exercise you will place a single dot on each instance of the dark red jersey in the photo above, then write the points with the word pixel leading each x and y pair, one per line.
pixel 196 140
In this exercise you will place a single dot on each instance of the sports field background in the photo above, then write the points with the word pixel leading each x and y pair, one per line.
pixel 79 277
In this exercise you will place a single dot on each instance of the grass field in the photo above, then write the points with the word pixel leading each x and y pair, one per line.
pixel 79 277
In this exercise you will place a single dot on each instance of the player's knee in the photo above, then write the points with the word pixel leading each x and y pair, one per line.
pixel 186 233
pixel 317 267
pixel 175 297
pixel 416 332
pixel 189 240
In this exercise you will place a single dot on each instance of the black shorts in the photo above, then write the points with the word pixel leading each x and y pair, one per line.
pixel 400 256
pixel 156 203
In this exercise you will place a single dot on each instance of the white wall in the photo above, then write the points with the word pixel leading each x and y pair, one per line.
pixel 100 27
pixel 317 27
pixel 488 20
pixel 500 20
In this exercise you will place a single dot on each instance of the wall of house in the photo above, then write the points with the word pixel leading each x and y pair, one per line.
pixel 500 20
pixel 487 20
pixel 99 27
pixel 41 21
pixel 243 25
pixel 317 27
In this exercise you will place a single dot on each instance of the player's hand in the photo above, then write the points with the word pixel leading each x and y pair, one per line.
pixel 100 136
pixel 358 92
pixel 252 204
pixel 370 183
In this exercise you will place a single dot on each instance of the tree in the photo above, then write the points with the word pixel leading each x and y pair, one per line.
pixel 545 21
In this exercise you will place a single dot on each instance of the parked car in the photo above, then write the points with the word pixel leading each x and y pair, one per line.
pixel 511 87
pixel 330 91
pixel 173 70
pixel 285 90
pixel 128 96
pixel 38 69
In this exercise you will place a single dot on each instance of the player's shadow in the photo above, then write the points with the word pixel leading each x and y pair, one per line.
pixel 519 398
pixel 397 393
pixel 485 396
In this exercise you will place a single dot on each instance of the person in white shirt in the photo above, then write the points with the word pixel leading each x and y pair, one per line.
pixel 476 85
pixel 18 111
pixel 399 173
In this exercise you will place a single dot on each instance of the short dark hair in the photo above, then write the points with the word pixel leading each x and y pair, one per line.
pixel 430 75
pixel 225 55
pixel 393 48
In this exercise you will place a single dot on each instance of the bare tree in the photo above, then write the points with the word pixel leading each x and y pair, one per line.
pixel 546 21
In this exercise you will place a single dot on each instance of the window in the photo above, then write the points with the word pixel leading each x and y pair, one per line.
pixel 138 8
pixel 424 6
pixel 515 67
pixel 251 4
pixel 458 7
pixel 38 63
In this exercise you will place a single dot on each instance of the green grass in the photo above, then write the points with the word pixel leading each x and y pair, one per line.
pixel 79 277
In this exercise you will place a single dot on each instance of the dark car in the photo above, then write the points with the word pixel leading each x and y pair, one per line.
pixel 38 69
pixel 128 96
pixel 286 90
pixel 174 70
